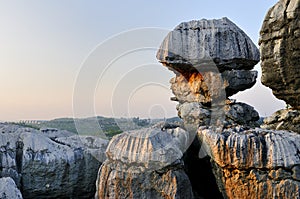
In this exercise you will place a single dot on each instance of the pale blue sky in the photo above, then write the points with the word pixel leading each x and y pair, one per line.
pixel 44 43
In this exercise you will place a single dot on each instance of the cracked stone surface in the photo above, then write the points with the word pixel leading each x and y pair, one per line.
pixel 280 51
pixel 254 162
pixel 50 166
pixel 145 163
pixel 285 119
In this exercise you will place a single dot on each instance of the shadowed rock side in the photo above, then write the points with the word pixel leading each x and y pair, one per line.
pixel 145 163
pixel 280 50
pixel 50 166
pixel 255 163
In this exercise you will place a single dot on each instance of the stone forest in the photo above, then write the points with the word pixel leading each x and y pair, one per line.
pixel 220 149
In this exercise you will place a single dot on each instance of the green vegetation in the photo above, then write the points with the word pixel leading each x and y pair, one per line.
pixel 97 126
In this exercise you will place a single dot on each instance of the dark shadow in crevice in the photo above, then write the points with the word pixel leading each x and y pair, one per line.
pixel 200 173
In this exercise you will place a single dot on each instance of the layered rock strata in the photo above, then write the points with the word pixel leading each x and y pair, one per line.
pixel 145 163
pixel 280 50
pixel 52 166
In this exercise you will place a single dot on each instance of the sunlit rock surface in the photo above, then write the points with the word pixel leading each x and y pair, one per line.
pixel 145 163
pixel 254 163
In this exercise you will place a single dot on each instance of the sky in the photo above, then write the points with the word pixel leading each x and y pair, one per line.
pixel 68 58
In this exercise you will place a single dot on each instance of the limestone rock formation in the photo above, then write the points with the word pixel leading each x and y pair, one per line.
pixel 202 41
pixel 8 189
pixel 280 51
pixel 145 163
pixel 212 60
pixel 50 166
pixel 254 163
pixel 285 119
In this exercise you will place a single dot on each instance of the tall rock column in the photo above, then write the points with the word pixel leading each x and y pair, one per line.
pixel 212 60
pixel 280 49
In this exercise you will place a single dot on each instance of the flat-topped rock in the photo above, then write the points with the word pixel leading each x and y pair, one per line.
pixel 280 51
pixel 203 41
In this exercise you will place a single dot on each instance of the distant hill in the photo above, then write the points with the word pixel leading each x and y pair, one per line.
pixel 97 125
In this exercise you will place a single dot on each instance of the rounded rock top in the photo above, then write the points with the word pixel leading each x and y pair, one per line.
pixel 201 41
pixel 150 148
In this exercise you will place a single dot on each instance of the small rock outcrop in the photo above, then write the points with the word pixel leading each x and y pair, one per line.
pixel 50 166
pixel 285 119
pixel 280 50
pixel 145 163
pixel 8 189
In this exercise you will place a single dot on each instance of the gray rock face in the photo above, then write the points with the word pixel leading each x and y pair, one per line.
pixel 195 42
pixel 231 114
pixel 285 119
pixel 254 163
pixel 212 59
pixel 280 50
pixel 145 163
pixel 8 189
pixel 60 167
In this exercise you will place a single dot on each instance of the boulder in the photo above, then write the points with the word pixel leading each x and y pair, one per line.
pixel 145 163
pixel 50 166
pixel 285 119
pixel 8 189
pixel 254 163
pixel 280 51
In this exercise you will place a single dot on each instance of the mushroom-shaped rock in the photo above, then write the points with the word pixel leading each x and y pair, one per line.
pixel 212 59
pixel 280 50
pixel 218 40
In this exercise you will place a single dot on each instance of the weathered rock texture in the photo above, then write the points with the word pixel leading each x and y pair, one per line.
pixel 285 119
pixel 254 163
pixel 50 166
pixel 211 60
pixel 280 51
pixel 218 40
pixel 145 163
pixel 8 189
